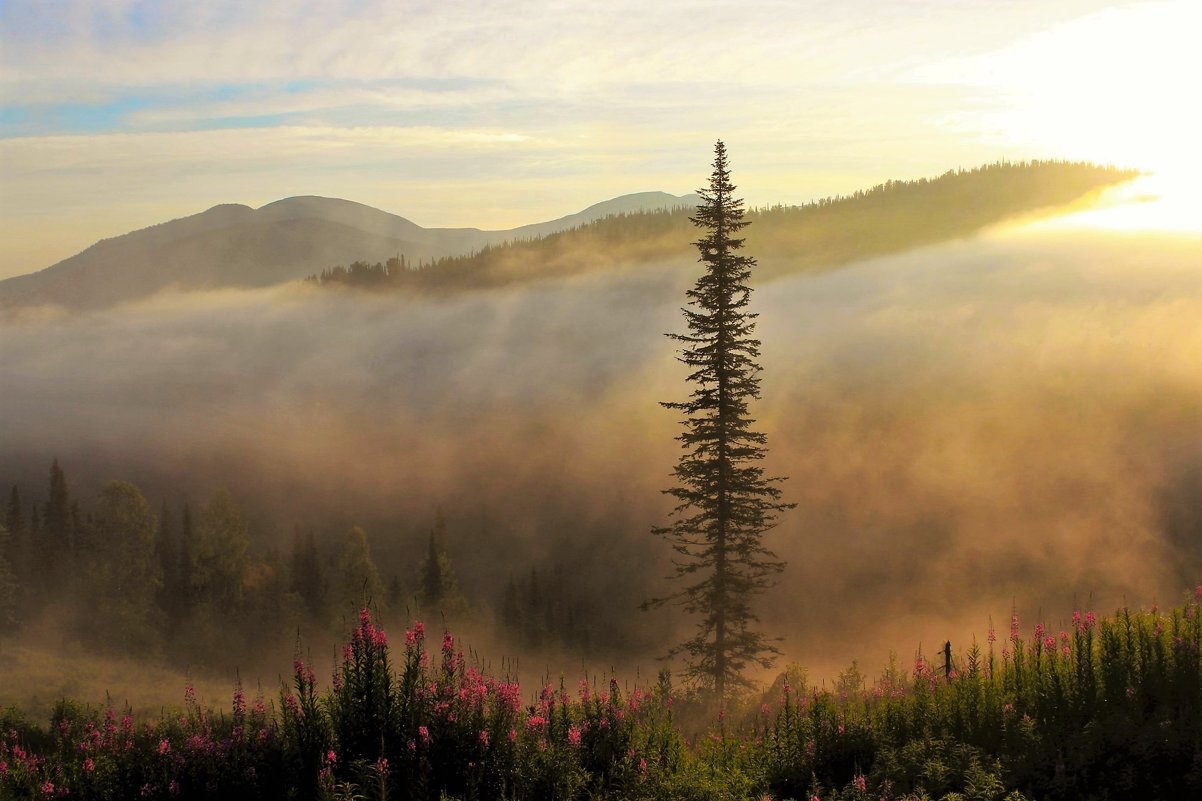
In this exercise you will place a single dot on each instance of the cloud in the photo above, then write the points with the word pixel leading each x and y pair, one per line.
pixel 595 100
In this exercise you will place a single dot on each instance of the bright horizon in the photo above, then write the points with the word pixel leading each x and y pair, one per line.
pixel 501 114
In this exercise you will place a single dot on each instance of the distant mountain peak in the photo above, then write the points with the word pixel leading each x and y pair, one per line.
pixel 232 244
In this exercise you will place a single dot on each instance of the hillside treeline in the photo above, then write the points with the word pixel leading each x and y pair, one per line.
pixel 123 576
pixel 888 218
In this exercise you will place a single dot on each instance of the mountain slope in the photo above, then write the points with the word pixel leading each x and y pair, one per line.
pixel 889 218
pixel 236 246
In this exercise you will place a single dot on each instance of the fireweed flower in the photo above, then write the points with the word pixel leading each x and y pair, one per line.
pixel 164 747
pixel 574 736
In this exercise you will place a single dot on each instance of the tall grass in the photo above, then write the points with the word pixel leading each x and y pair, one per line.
pixel 1107 709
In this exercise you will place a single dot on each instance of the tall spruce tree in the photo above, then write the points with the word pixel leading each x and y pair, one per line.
pixel 57 519
pixel 725 504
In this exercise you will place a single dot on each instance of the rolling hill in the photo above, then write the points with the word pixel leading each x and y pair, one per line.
pixel 233 245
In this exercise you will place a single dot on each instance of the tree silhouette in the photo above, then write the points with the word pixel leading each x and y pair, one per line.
pixel 724 501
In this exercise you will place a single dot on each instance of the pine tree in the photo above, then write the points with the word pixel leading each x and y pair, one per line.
pixel 14 516
pixel 439 589
pixel 725 504
pixel 307 579
pixel 56 522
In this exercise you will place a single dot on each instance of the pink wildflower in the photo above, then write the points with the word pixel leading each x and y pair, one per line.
pixel 89 765
pixel 860 783
pixel 484 738
pixel 574 736
pixel 424 733
pixel 164 747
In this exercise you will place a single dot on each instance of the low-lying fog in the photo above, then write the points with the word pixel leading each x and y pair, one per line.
pixel 1015 418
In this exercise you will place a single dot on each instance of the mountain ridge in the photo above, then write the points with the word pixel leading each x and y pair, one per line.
pixel 235 245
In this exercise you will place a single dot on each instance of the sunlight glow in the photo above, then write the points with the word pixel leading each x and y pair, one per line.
pixel 1115 87
pixel 1156 203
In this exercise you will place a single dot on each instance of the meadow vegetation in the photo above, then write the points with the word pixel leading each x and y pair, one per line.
pixel 1108 708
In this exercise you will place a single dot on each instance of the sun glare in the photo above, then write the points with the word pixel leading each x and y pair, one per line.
pixel 1157 202
pixel 1114 87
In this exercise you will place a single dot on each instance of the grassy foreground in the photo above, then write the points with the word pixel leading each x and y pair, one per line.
pixel 1111 709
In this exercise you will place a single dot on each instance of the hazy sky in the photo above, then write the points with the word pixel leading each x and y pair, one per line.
pixel 115 114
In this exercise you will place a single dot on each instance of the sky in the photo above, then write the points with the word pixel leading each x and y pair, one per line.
pixel 117 114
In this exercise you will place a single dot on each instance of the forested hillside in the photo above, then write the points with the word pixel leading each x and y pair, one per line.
pixel 892 217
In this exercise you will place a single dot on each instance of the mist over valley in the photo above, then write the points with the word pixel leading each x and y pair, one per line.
pixel 994 420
